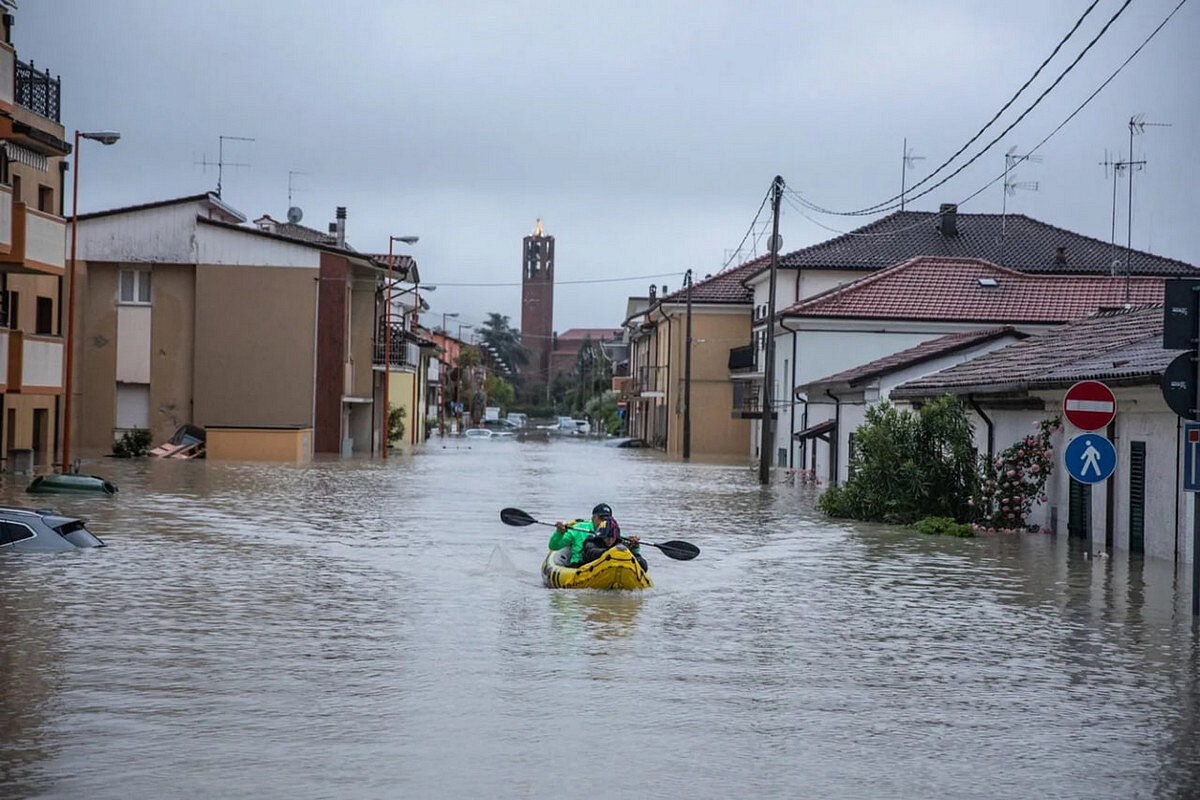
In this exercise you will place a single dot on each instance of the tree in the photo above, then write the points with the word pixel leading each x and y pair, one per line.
pixel 909 465
pixel 499 391
pixel 498 332
pixel 591 375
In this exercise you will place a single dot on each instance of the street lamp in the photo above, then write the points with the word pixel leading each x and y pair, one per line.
pixel 103 137
pixel 387 340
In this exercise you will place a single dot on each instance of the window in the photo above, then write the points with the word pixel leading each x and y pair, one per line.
pixel 135 286
pixel 13 306
pixel 133 405
pixel 16 184
pixel 46 199
pixel 14 532
pixel 45 316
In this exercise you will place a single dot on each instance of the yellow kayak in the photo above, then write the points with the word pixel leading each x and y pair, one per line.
pixel 616 569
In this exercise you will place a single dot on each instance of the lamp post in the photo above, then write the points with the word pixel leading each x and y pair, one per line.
pixel 387 340
pixel 442 379
pixel 103 137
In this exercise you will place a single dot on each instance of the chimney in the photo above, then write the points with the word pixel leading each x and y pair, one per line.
pixel 948 219
pixel 653 291
pixel 1060 255
pixel 341 226
pixel 664 291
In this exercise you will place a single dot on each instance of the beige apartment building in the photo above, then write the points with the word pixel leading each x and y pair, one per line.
pixel 33 170
pixel 187 315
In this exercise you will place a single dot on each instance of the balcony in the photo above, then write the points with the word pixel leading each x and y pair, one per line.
pixel 747 401
pixel 651 382
pixel 403 352
pixel 34 364
pixel 743 360
pixel 37 242
pixel 36 90
pixel 8 66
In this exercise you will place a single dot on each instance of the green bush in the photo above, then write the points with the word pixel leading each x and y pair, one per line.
pixel 396 415
pixel 944 526
pixel 132 444
pixel 908 465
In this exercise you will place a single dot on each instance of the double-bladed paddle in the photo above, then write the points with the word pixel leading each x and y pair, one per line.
pixel 680 551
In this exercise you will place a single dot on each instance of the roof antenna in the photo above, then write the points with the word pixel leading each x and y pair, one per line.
pixel 907 160
pixel 221 162
pixel 294 213
pixel 1137 125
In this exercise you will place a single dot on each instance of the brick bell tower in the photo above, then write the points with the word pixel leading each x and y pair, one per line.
pixel 537 303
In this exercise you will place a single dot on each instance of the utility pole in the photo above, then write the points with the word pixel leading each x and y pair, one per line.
pixel 767 443
pixel 687 375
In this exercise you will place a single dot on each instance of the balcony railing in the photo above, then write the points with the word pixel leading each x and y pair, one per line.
pixel 747 401
pixel 651 380
pixel 403 352
pixel 743 359
pixel 37 91
pixel 38 241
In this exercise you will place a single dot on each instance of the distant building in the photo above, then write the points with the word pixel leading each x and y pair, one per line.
pixel 537 303
pixel 566 347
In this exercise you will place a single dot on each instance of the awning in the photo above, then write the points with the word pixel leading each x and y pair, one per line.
pixel 818 431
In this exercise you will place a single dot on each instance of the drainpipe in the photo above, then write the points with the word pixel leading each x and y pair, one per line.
pixel 837 435
pixel 667 385
pixel 792 390
pixel 991 431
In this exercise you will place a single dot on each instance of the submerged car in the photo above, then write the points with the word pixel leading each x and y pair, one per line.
pixel 42 530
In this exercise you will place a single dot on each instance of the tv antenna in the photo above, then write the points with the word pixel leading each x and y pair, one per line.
pixel 1011 160
pixel 1137 126
pixel 907 161
pixel 221 163
pixel 294 213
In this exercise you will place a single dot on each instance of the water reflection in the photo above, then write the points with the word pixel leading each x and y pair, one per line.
pixel 350 628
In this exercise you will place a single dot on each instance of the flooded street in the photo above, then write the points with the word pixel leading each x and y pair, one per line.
pixel 370 629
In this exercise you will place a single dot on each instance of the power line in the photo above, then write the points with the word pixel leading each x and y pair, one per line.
pixel 566 283
pixel 884 206
pixel 1021 159
pixel 749 231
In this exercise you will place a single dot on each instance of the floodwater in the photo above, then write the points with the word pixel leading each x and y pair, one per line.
pixel 356 629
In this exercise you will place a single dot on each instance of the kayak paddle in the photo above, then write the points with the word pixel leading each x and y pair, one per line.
pixel 680 551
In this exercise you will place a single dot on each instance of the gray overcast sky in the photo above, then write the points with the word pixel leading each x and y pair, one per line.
pixel 644 134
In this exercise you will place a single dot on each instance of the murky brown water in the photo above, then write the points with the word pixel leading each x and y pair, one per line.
pixel 354 629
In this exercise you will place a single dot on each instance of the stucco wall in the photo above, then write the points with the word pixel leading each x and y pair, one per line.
pixel 172 336
pixel 254 346
pixel 96 355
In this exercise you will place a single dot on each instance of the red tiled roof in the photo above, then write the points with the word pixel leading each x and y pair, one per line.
pixel 1115 346
pixel 925 351
pixel 949 289
pixel 724 287
pixel 1013 240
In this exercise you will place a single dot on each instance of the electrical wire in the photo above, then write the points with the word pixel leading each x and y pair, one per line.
pixel 565 283
pixel 1031 151
pixel 749 231
pixel 888 205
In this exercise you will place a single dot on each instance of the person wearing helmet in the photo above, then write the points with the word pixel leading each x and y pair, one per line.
pixel 589 539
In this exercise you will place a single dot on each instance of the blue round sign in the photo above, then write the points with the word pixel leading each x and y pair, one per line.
pixel 1090 458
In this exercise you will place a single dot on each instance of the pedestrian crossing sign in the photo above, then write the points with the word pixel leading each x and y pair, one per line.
pixel 1090 458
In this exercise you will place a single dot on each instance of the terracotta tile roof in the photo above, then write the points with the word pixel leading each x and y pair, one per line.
pixel 1015 241
pixel 950 289
pixel 724 287
pixel 925 351
pixel 1114 346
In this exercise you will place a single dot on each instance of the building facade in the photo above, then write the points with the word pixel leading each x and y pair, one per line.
pixel 33 170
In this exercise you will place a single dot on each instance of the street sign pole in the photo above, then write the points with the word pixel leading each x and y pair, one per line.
pixel 1195 287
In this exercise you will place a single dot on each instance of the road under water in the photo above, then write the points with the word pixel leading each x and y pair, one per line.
pixel 370 629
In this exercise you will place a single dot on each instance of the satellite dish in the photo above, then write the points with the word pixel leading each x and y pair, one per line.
pixel 295 214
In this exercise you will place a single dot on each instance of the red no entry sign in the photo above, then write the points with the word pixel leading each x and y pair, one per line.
pixel 1089 405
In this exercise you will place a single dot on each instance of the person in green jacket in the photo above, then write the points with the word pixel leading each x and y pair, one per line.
pixel 588 539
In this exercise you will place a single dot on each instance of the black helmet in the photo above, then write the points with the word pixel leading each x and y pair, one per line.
pixel 603 510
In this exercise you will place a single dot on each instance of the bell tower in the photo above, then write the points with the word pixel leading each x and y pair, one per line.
pixel 537 302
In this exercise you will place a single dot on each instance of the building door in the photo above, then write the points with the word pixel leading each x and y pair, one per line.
pixel 1137 497
pixel 1079 509
pixel 41 435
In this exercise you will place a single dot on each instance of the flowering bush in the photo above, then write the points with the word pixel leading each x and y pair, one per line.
pixel 802 477
pixel 1014 479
